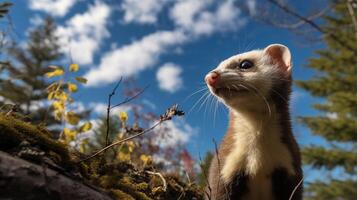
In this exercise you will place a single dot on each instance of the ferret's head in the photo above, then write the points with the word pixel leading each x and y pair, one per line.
pixel 256 76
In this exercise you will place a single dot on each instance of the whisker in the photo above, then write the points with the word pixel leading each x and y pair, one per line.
pixel 215 112
pixel 204 101
pixel 259 94
pixel 196 103
pixel 198 91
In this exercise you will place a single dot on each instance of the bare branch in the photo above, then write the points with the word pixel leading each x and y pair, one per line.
pixel 206 179
pixel 172 111
pixel 301 22
pixel 108 110
pixel 164 187
pixel 128 99
pixel 312 24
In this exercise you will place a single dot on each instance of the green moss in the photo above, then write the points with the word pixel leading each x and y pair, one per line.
pixel 122 180
pixel 120 195
pixel 14 131
pixel 131 188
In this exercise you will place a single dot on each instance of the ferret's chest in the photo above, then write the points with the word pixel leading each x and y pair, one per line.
pixel 256 151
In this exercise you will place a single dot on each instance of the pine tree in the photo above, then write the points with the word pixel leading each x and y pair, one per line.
pixel 336 83
pixel 22 80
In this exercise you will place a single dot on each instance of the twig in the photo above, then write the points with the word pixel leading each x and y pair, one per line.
pixel 188 178
pixel 219 168
pixel 312 24
pixel 182 192
pixel 296 187
pixel 123 140
pixel 172 111
pixel 161 177
pixel 108 110
pixel 301 22
pixel 206 179
pixel 128 99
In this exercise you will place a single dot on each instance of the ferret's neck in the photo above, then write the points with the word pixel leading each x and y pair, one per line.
pixel 253 118
pixel 254 138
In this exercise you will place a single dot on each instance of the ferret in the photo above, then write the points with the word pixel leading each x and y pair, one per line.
pixel 258 158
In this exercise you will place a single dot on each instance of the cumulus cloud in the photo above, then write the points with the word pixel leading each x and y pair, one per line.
pixel 133 58
pixel 57 8
pixel 199 18
pixel 252 6
pixel 169 77
pixel 84 33
pixel 177 132
pixel 192 18
pixel 143 12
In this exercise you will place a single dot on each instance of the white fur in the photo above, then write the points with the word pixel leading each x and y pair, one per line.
pixel 258 151
pixel 258 148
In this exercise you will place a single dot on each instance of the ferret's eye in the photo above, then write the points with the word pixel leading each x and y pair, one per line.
pixel 246 64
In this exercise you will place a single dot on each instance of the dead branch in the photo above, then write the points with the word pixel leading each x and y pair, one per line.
pixel 310 22
pixel 206 180
pixel 108 110
pixel 128 99
pixel 110 107
pixel 300 23
pixel 171 112
pixel 164 187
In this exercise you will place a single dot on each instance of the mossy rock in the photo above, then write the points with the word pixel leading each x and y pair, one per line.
pixel 14 132
pixel 122 180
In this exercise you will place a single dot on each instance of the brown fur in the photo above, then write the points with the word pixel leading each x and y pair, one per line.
pixel 282 182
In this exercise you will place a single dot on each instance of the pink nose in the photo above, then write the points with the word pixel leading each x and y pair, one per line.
pixel 212 78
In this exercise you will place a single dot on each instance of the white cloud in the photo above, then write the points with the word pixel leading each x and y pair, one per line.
pixel 143 12
pixel 83 33
pixel 57 8
pixel 252 4
pixel 132 59
pixel 176 132
pixel 192 19
pixel 198 17
pixel 169 77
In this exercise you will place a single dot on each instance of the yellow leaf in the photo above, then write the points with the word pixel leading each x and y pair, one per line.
pixel 123 156
pixel 50 95
pixel 62 96
pixel 58 105
pixel 72 87
pixel 69 134
pixel 85 127
pixel 81 79
pixel 58 115
pixel 131 146
pixel 73 67
pixel 72 118
pixel 82 147
pixel 56 72
pixel 123 117
pixel 146 159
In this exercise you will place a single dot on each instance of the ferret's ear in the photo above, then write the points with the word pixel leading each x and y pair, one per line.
pixel 280 55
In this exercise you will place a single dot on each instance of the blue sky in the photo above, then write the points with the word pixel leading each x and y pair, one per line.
pixel 169 45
